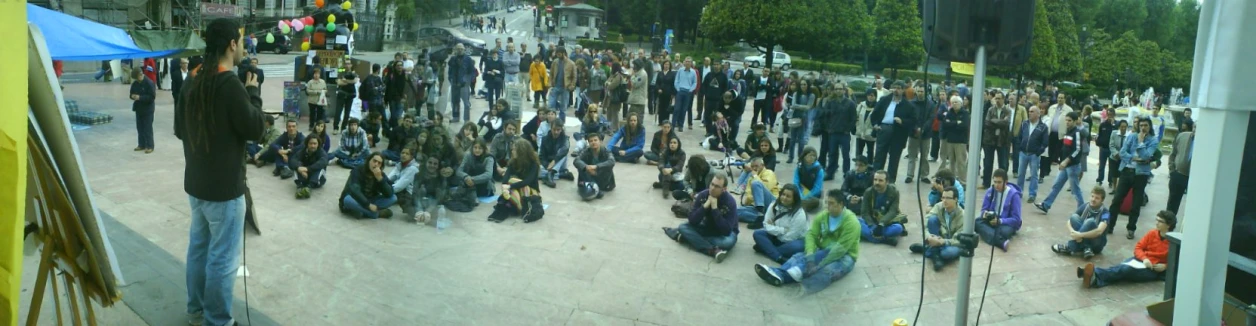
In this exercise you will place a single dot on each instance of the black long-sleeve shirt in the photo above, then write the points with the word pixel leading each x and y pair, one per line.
pixel 214 148
pixel 147 94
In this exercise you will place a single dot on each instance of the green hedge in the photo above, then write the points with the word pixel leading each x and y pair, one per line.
pixel 839 68
pixel 858 86
pixel 956 78
pixel 598 45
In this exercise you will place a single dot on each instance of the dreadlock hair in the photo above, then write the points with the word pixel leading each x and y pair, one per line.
pixel 219 37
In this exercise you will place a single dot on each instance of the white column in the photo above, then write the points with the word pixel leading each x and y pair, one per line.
pixel 1225 40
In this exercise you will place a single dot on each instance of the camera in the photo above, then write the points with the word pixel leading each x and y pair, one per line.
pixel 988 216
pixel 247 67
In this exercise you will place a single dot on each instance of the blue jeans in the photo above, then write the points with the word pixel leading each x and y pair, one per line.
pixel 252 149
pixel 316 179
pixel 835 145
pixel 704 240
pixel 762 195
pixel 395 110
pixel 391 155
pixel 1029 165
pixel 776 249
pixel 1071 175
pixel 1095 244
pixel 347 161
pixel 560 167
pixel 945 253
pixel 797 142
pixel 892 231
pixel 214 242
pixel 460 93
pixel 814 276
pixel 684 103
pixel 995 235
pixel 144 128
pixel 1123 273
pixel 380 203
pixel 559 99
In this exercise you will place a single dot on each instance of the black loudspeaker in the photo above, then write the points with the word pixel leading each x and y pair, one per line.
pixel 953 29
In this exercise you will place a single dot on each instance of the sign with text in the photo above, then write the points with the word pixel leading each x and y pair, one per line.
pixel 330 58
pixel 218 10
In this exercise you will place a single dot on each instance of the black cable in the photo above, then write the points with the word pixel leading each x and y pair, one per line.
pixel 989 267
pixel 248 312
pixel 920 156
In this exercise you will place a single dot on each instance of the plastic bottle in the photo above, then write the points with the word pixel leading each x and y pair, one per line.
pixel 442 220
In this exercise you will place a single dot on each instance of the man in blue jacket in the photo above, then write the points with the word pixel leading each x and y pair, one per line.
pixel 1000 215
pixel 1033 142
pixel 686 82
pixel 461 75
pixel 712 228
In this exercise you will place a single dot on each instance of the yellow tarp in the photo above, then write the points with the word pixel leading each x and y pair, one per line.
pixel 12 155
pixel 963 68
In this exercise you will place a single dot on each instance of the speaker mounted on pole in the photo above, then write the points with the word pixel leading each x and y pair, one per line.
pixel 953 29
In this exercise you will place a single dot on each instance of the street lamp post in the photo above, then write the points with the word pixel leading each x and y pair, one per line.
pixel 1085 35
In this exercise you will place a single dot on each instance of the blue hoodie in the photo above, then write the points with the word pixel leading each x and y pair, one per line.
pixel 815 174
pixel 1011 214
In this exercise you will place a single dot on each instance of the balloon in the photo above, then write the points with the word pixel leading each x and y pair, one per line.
pixel 331 18
pixel 309 28
pixel 318 3
pixel 282 24
pixel 355 26
pixel 331 27
pixel 270 38
pixel 298 25
pixel 284 29
pixel 346 5
pixel 309 20
pixel 305 46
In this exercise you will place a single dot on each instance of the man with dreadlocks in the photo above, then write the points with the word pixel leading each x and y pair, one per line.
pixel 219 113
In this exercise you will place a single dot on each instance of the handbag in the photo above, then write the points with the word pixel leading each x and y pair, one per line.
pixel 533 209
pixel 776 104
pixel 681 208
pixel 322 98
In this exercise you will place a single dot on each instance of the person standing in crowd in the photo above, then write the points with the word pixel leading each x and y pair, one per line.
pixel 1074 142
pixel 1000 216
pixel 1019 114
pixel 493 75
pixel 1055 121
pixel 510 64
pixel 316 95
pixel 1136 164
pixel 638 89
pixel 539 81
pixel 918 138
pixel 143 93
pixel 837 123
pixel 865 138
pixel 1114 160
pixel 1033 143
pixel 892 119
pixel 177 77
pixel 218 115
pixel 996 138
pixel 461 76
pixel 1106 128
pixel 666 89
pixel 686 84
pixel 346 91
pixel 561 83
pixel 1180 167
pixel 955 137
pixel 395 85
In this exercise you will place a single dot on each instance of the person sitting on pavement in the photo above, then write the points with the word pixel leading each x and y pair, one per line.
pixel 595 166
pixel 659 143
pixel 430 189
pixel 757 132
pixel 399 137
pixel 320 131
pixel 1087 227
pixel 671 168
pixel 593 122
pixel 501 146
pixel 763 150
pixel 372 125
pixel 553 155
pixel 353 148
pixel 781 232
pixel 551 119
pixel 698 174
pixel 831 247
pixel 809 176
pixel 496 120
pixel 532 130
pixel 269 136
pixel 439 146
pixel 520 183
pixel 1148 264
pixel 722 139
pixel 712 227
pixel 368 185
pixel 880 218
pixel 476 174
pixel 280 149
pixel 758 188
pixel 857 180
pixel 945 221
pixel 402 178
pixel 627 143
pixel 943 179
pixel 466 136
pixel 1000 216
pixel 310 164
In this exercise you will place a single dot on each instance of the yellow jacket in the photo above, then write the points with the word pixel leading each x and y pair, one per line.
pixel 768 178
pixel 540 77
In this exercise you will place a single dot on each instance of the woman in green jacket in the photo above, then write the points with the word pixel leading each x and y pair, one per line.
pixel 832 246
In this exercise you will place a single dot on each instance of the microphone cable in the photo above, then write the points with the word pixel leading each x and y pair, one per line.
pixel 920 158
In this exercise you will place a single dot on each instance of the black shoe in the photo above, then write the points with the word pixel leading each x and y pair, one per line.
pixel 892 241
pixel 938 264
pixel 754 225
pixel 566 176
pixel 925 180
pixel 1087 254
pixel 917 248
pixel 549 183
pixel 656 185
pixel 1130 235
pixel 1044 209
pixel 275 172
pixel 908 180
pixel 498 215
pixel 672 233
pixel 767 275
pixel 385 213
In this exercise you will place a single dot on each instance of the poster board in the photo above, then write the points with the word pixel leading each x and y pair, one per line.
pixel 515 95
pixel 292 98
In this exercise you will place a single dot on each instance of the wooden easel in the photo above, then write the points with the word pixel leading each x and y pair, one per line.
pixel 65 246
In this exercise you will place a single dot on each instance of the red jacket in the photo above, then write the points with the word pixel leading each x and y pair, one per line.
pixel 1152 247
pixel 150 69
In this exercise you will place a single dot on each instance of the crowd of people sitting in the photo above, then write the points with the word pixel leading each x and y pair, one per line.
pixel 810 232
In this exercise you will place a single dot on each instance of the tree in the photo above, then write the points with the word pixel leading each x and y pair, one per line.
pixel 1160 23
pixel 852 36
pixel 767 24
pixel 1119 16
pixel 1114 59
pixel 1043 61
pixel 1084 11
pixel 1068 48
pixel 1183 41
pixel 898 38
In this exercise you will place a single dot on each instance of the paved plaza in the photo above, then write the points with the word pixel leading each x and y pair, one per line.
pixel 604 262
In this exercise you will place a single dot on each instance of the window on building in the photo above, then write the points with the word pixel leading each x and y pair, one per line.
pixel 582 21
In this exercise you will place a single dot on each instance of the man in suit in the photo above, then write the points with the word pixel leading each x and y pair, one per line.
pixel 714 84
pixel 893 119
pixel 176 81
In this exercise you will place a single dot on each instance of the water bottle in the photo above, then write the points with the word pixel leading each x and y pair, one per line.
pixel 442 220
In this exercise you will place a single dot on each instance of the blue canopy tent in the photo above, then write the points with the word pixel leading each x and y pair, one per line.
pixel 75 39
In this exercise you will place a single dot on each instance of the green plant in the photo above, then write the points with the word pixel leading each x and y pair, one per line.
pixel 598 45
pixel 839 68
pixel 857 86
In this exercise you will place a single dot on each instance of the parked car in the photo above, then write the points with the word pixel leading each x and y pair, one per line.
pixel 280 46
pixel 780 60
pixel 442 40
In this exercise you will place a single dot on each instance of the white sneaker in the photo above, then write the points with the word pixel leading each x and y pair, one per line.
pixel 795 273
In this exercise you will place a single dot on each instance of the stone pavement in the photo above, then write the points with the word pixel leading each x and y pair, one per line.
pixel 604 262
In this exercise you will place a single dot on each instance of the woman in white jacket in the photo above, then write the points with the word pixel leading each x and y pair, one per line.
pixel 784 226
